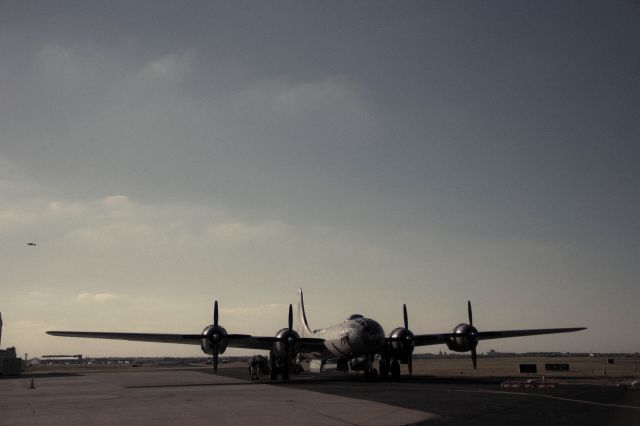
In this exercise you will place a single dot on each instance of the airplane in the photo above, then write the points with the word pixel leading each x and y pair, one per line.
pixel 32 244
pixel 353 344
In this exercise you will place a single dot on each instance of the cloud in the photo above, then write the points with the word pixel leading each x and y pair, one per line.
pixel 335 95
pixel 332 110
pixel 243 232
pixel 170 67
pixel 118 222
pixel 116 200
pixel 96 297
pixel 13 219
pixel 61 209
pixel 38 294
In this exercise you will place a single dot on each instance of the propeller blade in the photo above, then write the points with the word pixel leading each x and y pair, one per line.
pixel 470 313
pixel 290 317
pixel 406 317
pixel 215 346
pixel 474 358
pixel 410 364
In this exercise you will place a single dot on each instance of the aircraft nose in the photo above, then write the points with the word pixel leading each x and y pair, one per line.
pixel 372 336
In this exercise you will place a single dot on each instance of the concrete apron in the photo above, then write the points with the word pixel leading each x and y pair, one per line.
pixel 169 397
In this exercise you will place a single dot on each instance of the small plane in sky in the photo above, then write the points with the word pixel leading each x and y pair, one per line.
pixel 32 244
pixel 353 344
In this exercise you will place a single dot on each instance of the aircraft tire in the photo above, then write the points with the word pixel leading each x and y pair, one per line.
pixel 395 369
pixel 384 370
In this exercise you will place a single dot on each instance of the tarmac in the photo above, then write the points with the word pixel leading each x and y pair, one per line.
pixel 195 396
pixel 182 397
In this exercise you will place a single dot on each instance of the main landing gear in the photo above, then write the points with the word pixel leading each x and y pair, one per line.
pixel 278 367
pixel 389 367
pixel 284 367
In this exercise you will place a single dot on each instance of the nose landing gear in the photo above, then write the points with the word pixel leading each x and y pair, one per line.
pixel 370 373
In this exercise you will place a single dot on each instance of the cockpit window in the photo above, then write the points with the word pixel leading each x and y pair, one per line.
pixel 355 316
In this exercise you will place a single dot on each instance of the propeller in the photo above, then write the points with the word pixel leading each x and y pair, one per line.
pixel 291 336
pixel 472 336
pixel 215 337
pixel 408 339
pixel 406 317
pixel 290 316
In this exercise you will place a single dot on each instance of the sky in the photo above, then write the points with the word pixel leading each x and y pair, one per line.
pixel 164 155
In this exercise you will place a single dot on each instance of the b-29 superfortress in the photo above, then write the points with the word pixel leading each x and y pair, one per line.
pixel 353 344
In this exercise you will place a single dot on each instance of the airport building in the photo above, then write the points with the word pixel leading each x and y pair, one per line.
pixel 10 364
pixel 61 359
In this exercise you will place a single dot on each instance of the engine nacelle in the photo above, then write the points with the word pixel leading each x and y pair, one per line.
pixel 465 339
pixel 214 337
pixel 287 346
pixel 402 344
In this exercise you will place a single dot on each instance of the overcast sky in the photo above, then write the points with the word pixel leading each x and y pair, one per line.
pixel 166 154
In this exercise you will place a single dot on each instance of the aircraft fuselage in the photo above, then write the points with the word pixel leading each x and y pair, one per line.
pixel 352 338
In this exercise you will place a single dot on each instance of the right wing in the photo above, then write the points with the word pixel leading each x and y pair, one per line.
pixel 187 339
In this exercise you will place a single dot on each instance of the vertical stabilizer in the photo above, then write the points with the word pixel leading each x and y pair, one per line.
pixel 0 329
pixel 303 325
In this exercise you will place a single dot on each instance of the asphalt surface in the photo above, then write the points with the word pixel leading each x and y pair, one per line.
pixel 481 401
pixel 195 396
pixel 180 396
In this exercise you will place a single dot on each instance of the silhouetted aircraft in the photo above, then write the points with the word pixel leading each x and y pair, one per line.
pixel 353 344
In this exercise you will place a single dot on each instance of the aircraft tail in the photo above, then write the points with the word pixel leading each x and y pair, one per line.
pixel 303 326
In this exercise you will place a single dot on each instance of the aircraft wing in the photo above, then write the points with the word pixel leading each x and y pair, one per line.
pixel 485 335
pixel 243 341
pixel 432 339
pixel 435 339
pixel 187 339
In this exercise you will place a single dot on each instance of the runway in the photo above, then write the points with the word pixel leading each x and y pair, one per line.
pixel 196 396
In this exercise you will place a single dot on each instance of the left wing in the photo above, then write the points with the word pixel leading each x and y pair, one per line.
pixel 435 339
pixel 485 335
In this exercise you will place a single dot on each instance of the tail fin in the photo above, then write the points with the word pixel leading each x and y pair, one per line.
pixel 303 326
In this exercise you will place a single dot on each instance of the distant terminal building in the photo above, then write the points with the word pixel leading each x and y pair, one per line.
pixel 61 359
pixel 10 364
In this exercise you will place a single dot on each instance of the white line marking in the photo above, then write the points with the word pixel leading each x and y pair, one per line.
pixel 633 407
